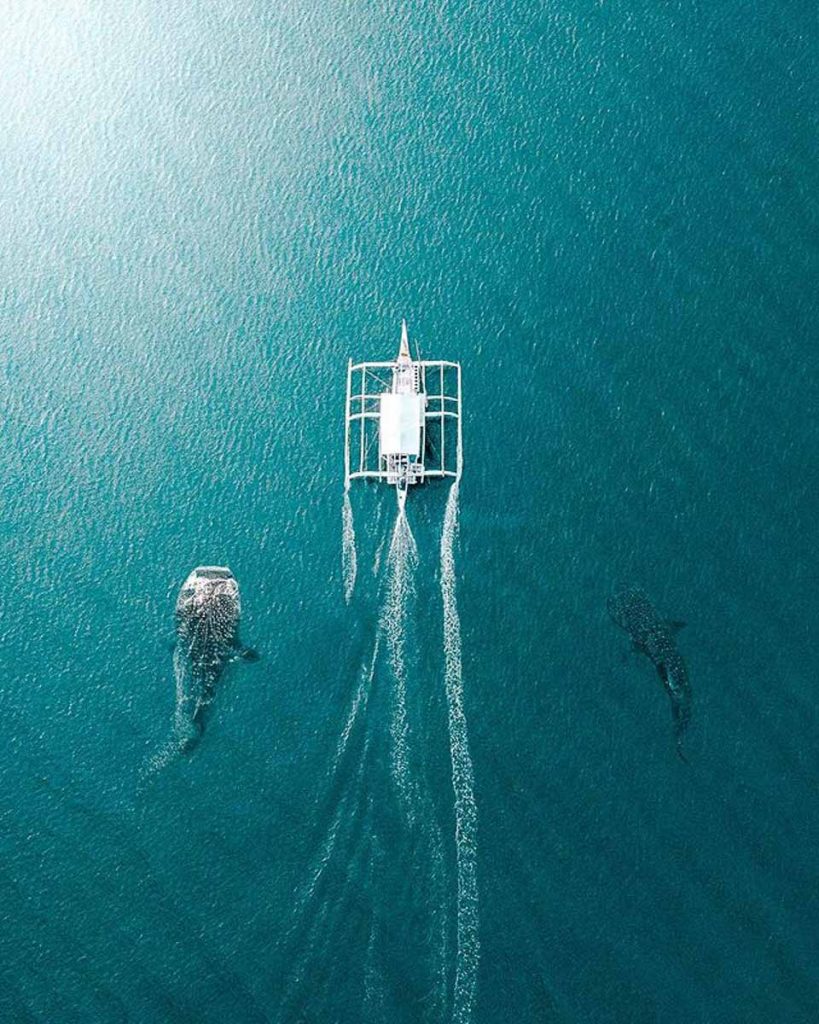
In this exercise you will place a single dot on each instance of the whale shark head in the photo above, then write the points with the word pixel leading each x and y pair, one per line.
pixel 207 613
pixel 208 587
pixel 630 608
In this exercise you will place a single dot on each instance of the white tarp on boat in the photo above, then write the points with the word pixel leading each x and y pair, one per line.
pixel 400 424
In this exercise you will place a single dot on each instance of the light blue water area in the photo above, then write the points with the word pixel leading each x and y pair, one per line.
pixel 608 213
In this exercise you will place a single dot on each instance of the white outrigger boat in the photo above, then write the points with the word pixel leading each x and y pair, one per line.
pixel 402 409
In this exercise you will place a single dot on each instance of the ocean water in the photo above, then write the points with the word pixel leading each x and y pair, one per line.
pixel 454 797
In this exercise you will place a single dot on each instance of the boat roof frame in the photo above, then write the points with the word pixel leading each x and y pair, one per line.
pixel 362 404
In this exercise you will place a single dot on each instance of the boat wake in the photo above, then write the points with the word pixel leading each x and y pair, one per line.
pixel 463 783
pixel 402 562
pixel 379 847
pixel 349 560
pixel 399 592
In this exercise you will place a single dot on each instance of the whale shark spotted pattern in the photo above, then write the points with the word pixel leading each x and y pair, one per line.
pixel 655 637
pixel 207 630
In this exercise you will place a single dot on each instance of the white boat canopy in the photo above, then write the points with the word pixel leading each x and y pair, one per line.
pixel 399 424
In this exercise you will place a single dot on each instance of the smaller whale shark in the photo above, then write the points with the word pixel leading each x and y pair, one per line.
pixel 207 639
pixel 655 637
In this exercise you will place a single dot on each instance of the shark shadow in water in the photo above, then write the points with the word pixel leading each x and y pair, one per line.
pixel 655 637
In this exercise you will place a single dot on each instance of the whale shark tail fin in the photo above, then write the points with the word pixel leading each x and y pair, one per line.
pixel 675 625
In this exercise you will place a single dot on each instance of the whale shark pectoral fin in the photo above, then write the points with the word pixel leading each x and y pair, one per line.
pixel 663 670
pixel 247 654
pixel 675 625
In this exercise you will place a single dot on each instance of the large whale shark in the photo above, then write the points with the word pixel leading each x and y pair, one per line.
pixel 207 639
pixel 655 637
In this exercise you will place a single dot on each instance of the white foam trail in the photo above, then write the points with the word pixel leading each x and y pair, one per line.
pixel 359 703
pixel 374 990
pixel 343 817
pixel 343 813
pixel 320 932
pixel 466 821
pixel 373 985
pixel 357 706
pixel 402 561
pixel 349 560
pixel 438 889
pixel 377 560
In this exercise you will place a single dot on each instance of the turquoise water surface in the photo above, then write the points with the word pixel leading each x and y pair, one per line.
pixel 456 797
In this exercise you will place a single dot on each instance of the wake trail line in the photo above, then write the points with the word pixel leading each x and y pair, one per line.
pixel 463 780
pixel 349 559
pixel 402 562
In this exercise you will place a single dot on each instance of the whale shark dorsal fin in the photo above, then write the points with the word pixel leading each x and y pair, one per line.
pixel 675 625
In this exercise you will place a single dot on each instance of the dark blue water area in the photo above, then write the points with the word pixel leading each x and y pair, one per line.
pixel 608 214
